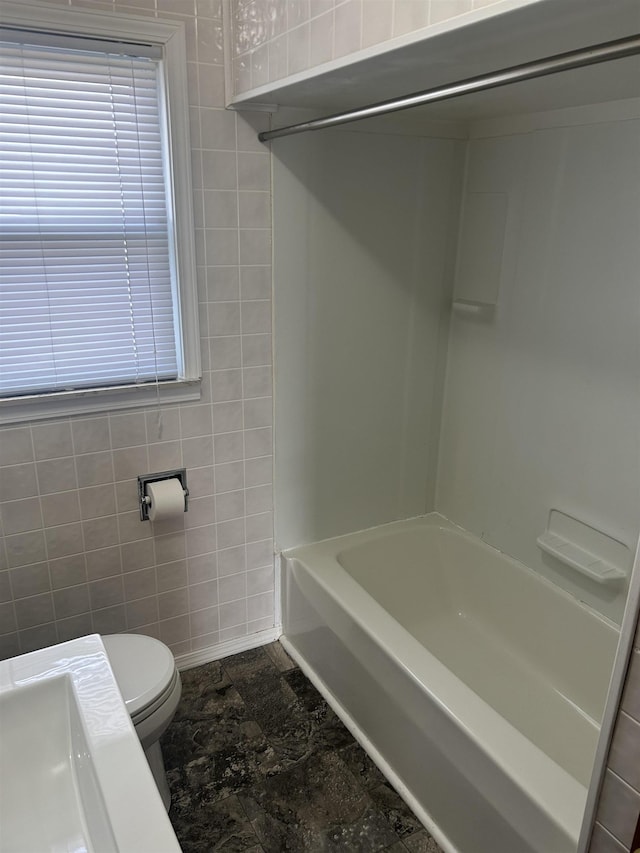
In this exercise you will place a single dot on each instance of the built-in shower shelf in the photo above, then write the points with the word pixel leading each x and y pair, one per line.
pixel 585 549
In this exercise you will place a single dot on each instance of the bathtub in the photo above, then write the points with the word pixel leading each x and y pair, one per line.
pixel 476 685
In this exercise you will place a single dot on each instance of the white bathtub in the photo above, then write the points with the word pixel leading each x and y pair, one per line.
pixel 476 685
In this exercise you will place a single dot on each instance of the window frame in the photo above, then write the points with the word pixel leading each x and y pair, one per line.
pixel 169 36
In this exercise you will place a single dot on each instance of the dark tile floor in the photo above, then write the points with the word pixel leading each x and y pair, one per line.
pixel 258 762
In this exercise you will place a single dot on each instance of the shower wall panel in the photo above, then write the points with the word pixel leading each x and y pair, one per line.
pixel 541 406
pixel 364 233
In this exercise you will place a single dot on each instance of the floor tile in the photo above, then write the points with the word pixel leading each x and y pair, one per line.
pixel 361 765
pixel 316 805
pixel 257 762
pixel 221 826
pixel 421 842
pixel 279 657
pixel 403 822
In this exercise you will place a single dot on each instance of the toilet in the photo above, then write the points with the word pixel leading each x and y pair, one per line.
pixel 149 682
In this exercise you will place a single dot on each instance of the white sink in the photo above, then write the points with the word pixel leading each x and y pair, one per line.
pixel 73 776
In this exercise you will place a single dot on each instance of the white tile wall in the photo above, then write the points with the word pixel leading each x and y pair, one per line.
pixel 273 39
pixel 618 811
pixel 74 556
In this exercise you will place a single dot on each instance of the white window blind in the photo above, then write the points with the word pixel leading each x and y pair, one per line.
pixel 87 287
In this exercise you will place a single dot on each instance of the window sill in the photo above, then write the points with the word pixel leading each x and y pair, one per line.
pixel 87 401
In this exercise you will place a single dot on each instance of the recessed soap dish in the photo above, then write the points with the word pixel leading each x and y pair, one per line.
pixel 584 548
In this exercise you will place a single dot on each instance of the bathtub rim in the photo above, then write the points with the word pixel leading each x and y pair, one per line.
pixel 527 767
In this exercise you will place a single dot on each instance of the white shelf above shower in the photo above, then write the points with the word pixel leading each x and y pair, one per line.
pixel 587 550
pixel 503 34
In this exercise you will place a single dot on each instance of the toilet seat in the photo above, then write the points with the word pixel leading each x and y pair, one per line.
pixel 144 669
pixel 156 703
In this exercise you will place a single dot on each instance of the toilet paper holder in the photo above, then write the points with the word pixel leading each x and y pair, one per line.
pixel 145 479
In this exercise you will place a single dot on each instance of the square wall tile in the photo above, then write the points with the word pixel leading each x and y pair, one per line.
pixel 38 637
pixel 603 842
pixel 623 753
pixel 128 430
pixel 321 35
pixel 73 627
pixel 52 440
pixel 71 601
pixel 163 424
pixel 259 472
pixel 106 593
pixel 171 576
pixel 377 21
pixel 25 548
pixel 444 10
pixel 109 620
pixel 137 555
pixel 258 412
pixel 260 581
pixel 201 568
pixel 231 560
pixel 175 630
pixel 409 16
pixel 130 460
pixel 204 623
pixel 165 456
pixel 94 469
pixel 618 808
pixel 255 283
pixel 260 606
pixel 103 563
pixel 16 445
pixel 97 501
pixel 348 29
pixel 256 351
pixel 9 645
pixel 144 611
pixel 35 610
pixel 64 540
pixel 227 416
pixel 226 385
pixel 232 587
pixel 57 475
pixel 60 508
pixel 173 603
pixel 233 614
pixel 298 49
pixel 20 516
pixel 201 540
pixel 18 481
pixel 256 317
pixel 140 584
pixel 260 554
pixel 30 580
pixel 91 434
pixel 68 571
pixel 101 532
pixel 631 696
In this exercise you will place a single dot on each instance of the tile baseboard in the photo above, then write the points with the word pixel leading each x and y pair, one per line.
pixel 229 647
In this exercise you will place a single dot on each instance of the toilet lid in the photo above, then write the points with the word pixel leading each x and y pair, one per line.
pixel 143 668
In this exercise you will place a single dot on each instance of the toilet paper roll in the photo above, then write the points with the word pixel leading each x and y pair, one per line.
pixel 166 499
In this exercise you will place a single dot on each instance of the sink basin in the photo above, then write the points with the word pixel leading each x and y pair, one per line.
pixel 73 776
pixel 46 763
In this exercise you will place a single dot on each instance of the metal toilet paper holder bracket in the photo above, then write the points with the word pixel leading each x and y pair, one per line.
pixel 145 479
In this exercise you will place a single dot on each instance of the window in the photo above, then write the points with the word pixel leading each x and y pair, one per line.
pixel 97 292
